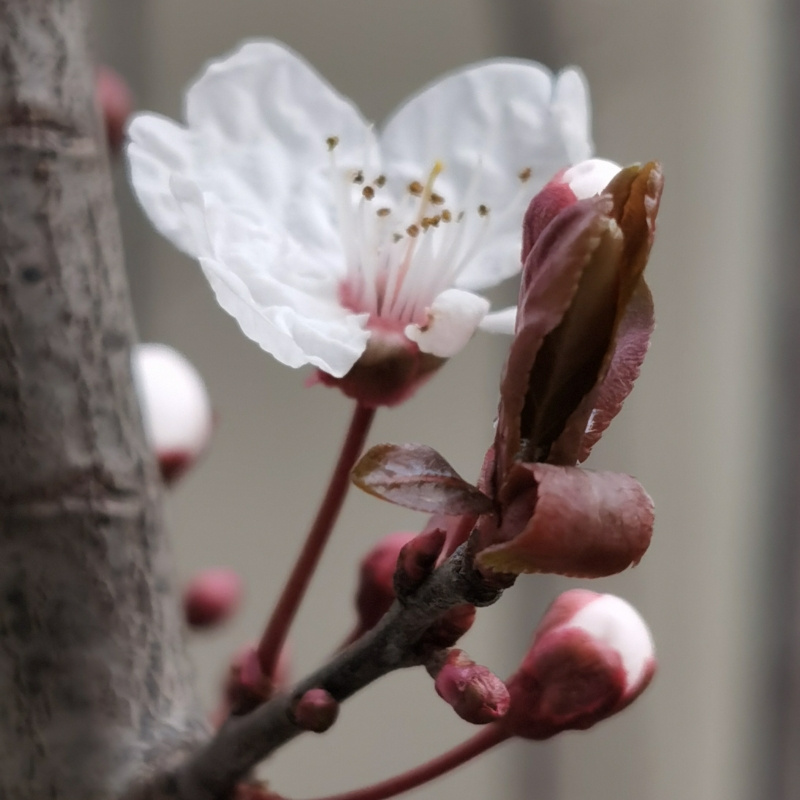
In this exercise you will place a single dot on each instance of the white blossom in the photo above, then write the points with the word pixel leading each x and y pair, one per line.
pixel 317 231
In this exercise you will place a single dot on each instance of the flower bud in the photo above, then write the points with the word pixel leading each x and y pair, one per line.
pixel 592 656
pixel 578 182
pixel 176 410
pixel 113 97
pixel 375 593
pixel 417 560
pixel 246 686
pixel 476 694
pixel 315 711
pixel 211 597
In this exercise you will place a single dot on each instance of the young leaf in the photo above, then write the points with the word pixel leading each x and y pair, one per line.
pixel 416 476
pixel 568 521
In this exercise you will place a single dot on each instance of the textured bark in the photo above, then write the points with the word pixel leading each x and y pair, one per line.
pixel 93 676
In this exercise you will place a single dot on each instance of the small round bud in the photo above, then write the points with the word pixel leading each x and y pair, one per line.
pixel 476 694
pixel 417 560
pixel 211 597
pixel 176 410
pixel 315 711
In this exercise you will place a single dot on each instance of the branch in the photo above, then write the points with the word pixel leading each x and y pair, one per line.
pixel 398 641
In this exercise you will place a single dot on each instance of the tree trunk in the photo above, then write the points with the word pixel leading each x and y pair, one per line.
pixel 93 673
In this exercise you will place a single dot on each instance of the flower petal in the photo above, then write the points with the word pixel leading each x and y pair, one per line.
pixel 502 321
pixel 159 150
pixel 506 127
pixel 452 319
pixel 572 108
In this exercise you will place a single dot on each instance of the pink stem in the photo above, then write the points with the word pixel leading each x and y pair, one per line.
pixel 272 641
pixel 490 736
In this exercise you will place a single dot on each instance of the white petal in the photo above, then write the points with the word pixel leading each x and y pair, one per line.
pixel 452 319
pixel 590 177
pixel 264 116
pixel 176 410
pixel 159 150
pixel 502 321
pixel 572 106
pixel 486 124
pixel 618 625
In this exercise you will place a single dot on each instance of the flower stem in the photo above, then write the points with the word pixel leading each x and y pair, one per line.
pixel 279 623
pixel 487 738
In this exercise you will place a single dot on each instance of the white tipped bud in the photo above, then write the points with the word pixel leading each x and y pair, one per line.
pixel 590 177
pixel 616 624
pixel 176 410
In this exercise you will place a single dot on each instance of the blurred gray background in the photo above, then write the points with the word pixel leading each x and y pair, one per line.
pixel 700 86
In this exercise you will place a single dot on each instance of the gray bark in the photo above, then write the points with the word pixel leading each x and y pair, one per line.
pixel 93 675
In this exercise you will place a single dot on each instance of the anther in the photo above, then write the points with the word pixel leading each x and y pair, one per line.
pixel 446 215
pixel 436 199
pixel 416 188
pixel 383 212
pixel 368 192
pixel 380 181
pixel 358 177
pixel 396 237
pixel 332 141
pixel 483 210
pixel 412 230
pixel 525 175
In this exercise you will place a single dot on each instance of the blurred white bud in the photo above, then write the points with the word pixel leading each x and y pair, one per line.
pixel 176 410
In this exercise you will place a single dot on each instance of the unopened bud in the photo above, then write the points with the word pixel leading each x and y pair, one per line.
pixel 476 694
pixel 114 99
pixel 578 182
pixel 375 593
pixel 247 687
pixel 315 711
pixel 592 656
pixel 417 560
pixel 211 597
pixel 175 407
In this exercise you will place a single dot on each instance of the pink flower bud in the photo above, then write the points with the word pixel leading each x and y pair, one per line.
pixel 114 99
pixel 176 410
pixel 476 694
pixel 211 597
pixel 315 711
pixel 246 686
pixel 375 593
pixel 578 182
pixel 417 560
pixel 592 656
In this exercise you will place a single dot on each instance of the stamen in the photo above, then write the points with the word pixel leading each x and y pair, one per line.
pixel 437 199
pixel 412 230
pixel 396 237
pixel 368 192
pixel 416 188
pixel 483 210
pixel 358 177
pixel 332 141
pixel 446 215
pixel 380 181
pixel 383 212
pixel 525 175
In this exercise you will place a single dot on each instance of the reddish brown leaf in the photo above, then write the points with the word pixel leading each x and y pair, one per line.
pixel 568 521
pixel 416 476
pixel 557 262
pixel 633 340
